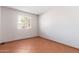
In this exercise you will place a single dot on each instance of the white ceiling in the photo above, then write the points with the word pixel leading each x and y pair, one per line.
pixel 32 9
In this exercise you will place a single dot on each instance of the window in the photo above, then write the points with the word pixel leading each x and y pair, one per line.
pixel 23 22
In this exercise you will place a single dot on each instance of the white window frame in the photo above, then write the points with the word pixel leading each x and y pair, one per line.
pixel 22 23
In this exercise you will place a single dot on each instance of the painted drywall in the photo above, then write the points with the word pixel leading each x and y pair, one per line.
pixel 0 23
pixel 9 25
pixel 61 24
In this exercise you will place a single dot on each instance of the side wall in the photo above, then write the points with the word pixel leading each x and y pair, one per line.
pixel 9 25
pixel 61 24
pixel 0 25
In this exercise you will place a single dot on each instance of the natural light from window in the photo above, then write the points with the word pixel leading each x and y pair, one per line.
pixel 23 22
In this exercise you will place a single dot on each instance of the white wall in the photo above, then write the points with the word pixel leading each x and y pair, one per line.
pixel 9 25
pixel 0 23
pixel 61 24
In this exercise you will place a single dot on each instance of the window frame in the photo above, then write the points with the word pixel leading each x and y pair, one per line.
pixel 26 24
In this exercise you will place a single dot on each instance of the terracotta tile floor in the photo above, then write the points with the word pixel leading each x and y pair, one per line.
pixel 36 44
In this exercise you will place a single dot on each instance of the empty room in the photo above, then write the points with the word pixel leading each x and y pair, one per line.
pixel 39 29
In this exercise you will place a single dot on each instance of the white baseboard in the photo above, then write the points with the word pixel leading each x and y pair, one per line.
pixel 56 40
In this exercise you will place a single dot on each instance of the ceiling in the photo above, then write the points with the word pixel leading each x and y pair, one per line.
pixel 32 9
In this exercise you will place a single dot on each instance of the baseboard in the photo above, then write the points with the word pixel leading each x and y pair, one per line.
pixel 17 40
pixel 41 37
pixel 58 42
